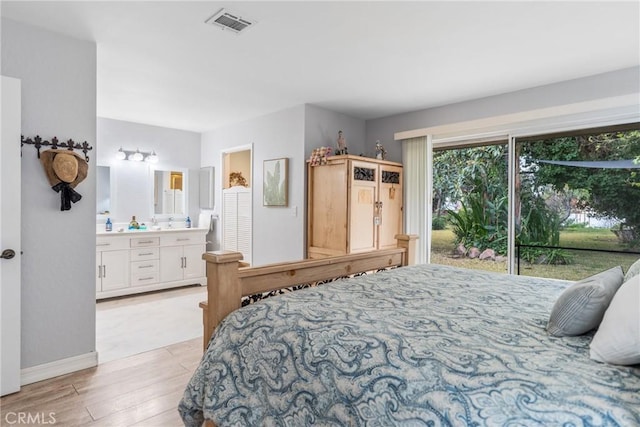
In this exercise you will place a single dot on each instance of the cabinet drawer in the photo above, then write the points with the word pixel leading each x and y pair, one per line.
pixel 145 254
pixel 104 243
pixel 182 239
pixel 143 242
pixel 142 267
pixel 144 278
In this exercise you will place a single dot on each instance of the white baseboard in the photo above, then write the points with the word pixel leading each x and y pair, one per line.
pixel 58 367
pixel 132 290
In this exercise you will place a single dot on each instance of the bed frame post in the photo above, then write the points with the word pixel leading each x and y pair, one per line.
pixel 407 241
pixel 224 293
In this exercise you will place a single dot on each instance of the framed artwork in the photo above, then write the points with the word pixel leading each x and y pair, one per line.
pixel 275 182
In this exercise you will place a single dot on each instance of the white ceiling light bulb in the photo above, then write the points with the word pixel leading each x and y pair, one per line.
pixel 120 154
pixel 152 158
pixel 137 156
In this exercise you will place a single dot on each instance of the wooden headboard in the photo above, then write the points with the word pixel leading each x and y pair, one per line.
pixel 228 282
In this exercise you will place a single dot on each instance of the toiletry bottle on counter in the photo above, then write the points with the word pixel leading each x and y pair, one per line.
pixel 108 226
pixel 188 222
pixel 133 225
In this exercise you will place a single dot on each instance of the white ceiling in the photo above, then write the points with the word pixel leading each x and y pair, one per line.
pixel 160 64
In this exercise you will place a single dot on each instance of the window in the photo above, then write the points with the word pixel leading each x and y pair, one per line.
pixel 577 198
pixel 568 211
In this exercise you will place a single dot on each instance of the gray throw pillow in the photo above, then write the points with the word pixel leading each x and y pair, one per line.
pixel 581 306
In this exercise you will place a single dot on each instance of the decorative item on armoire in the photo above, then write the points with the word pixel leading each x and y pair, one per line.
pixel 341 144
pixel 319 156
pixel 381 153
pixel 65 170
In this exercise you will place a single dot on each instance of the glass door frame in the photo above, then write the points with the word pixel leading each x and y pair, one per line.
pixel 476 141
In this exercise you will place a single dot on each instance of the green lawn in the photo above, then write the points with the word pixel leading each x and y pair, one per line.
pixel 584 263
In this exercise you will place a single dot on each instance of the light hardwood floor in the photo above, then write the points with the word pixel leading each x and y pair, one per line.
pixel 140 390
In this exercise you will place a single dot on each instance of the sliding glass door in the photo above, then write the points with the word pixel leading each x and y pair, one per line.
pixel 469 226
pixel 561 206
pixel 577 197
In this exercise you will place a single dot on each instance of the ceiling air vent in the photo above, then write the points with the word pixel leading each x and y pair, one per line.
pixel 231 21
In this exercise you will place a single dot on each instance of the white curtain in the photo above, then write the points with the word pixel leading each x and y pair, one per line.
pixel 416 159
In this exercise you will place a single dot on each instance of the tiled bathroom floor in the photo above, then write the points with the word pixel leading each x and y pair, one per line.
pixel 139 323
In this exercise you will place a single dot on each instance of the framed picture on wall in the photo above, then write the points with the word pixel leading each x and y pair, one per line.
pixel 275 182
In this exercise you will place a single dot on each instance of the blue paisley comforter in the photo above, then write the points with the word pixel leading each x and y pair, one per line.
pixel 424 345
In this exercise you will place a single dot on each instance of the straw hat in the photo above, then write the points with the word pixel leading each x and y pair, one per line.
pixel 64 166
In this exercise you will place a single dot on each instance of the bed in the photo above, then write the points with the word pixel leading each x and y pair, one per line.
pixel 418 345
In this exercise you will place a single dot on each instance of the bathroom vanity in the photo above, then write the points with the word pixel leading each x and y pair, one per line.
pixel 131 262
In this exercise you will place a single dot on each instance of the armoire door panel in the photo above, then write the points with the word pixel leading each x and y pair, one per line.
pixel 362 207
pixel 362 226
pixel 328 205
pixel 390 198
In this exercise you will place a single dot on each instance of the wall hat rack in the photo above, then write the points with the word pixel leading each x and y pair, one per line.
pixel 56 145
pixel 63 167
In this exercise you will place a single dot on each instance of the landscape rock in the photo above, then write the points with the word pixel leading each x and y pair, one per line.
pixel 474 253
pixel 488 254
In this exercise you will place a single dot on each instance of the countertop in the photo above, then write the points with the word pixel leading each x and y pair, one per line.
pixel 126 232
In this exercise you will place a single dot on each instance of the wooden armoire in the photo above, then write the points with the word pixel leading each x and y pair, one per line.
pixel 354 204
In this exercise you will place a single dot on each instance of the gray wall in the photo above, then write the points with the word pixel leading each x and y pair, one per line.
pixel 321 128
pixel 277 232
pixel 291 133
pixel 615 83
pixel 58 76
pixel 131 181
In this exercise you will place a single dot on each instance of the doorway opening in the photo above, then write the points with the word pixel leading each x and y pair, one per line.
pixel 237 201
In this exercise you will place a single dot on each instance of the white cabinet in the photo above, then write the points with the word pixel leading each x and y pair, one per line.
pixel 237 222
pixel 113 271
pixel 171 267
pixel 181 262
pixel 181 257
pixel 145 266
pixel 134 262
pixel 144 260
pixel 112 264
pixel 194 265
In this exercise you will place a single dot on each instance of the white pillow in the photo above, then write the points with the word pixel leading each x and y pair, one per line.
pixel 633 270
pixel 617 341
pixel 580 308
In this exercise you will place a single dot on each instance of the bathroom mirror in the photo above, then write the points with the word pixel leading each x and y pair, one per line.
pixel 103 191
pixel 207 187
pixel 169 188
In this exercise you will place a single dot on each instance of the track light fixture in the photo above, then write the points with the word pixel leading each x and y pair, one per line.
pixel 137 155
